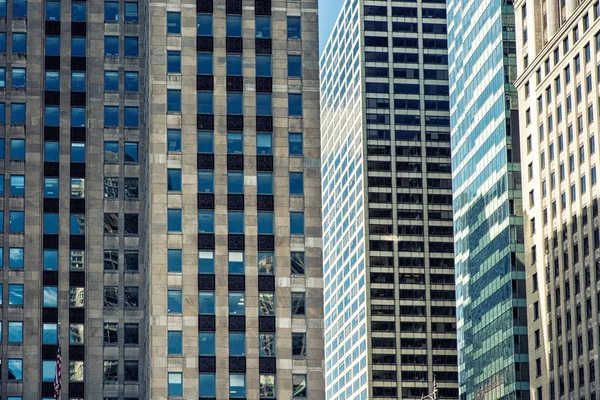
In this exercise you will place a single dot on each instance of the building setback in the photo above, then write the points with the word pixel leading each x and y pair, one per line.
pixel 488 218
pixel 160 199
pixel 387 203
pixel 558 63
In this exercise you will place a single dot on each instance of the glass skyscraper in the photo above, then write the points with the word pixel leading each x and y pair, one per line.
pixel 488 217
pixel 387 203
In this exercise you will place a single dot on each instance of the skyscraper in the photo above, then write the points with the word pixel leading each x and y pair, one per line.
pixel 488 218
pixel 161 199
pixel 387 215
pixel 558 64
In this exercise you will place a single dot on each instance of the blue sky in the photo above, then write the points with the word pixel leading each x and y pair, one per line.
pixel 328 12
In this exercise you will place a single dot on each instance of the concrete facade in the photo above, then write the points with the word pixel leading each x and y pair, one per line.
pixel 558 64
pixel 111 137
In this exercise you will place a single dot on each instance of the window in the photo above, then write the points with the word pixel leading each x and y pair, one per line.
pixel 206 222
pixel 234 64
pixel 235 221
pixel 76 334
pixel 111 296
pixel 17 114
pixel 267 386
pixel 235 143
pixel 206 262
pixel 204 24
pixel 131 260
pixel 205 102
pixel 206 343
pixel 131 46
pixel 15 332
pixel 175 384
pixel 295 143
pixel 298 304
pixel 297 263
pixel 263 66
pixel 111 117
pixel 174 180
pixel 131 152
pixel 132 335
pixel 294 66
pixel 174 220
pixel 132 297
pixel 77 224
pixel 111 81
pixel 264 104
pixel 49 334
pixel 111 11
pixel 51 81
pixel 296 183
pixel 111 260
pixel 132 120
pixel 175 342
pixel 77 188
pixel 297 223
pixel 205 182
pixel 17 186
pixel 131 11
pixel 15 368
pixel 205 142
pixel 51 116
pixel 15 295
pixel 235 103
pixel 50 298
pixel 111 368
pixel 263 27
pixel 237 304
pixel 52 46
pixel 236 263
pixel 298 345
pixel 206 303
pixel 174 302
pixel 51 223
pixel 78 11
pixel 78 46
pixel 77 117
pixel 19 8
pixel 50 260
pixel 295 104
pixel 131 188
pixel 19 43
pixel 174 260
pixel 264 144
pixel 294 28
pixel 77 261
pixel 173 23
pixel 131 81
pixel 237 386
pixel 173 62
pixel 207 385
pixel 52 11
pixel 235 182
pixel 265 183
pixel 173 140
pixel 266 304
pixel 15 258
pixel 111 45
pixel 266 263
pixel 204 64
pixel 237 344
pixel 16 222
pixel 48 370
pixel 234 25
pixel 265 223
pixel 299 387
pixel 111 223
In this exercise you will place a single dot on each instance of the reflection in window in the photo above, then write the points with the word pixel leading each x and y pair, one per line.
pixel 298 344
pixel 266 343
pixel 132 334
pixel 175 384
pixel 299 389
pixel 266 263
pixel 131 188
pixel 297 263
pixel 77 188
pixel 15 369
pixel 298 304
pixel 111 368
pixel 77 260
pixel 111 223
pixel 76 334
pixel 111 296
pixel 111 335
pixel 237 386
pixel 267 386
pixel 131 260
pixel 266 304
pixel 16 258
pixel 76 297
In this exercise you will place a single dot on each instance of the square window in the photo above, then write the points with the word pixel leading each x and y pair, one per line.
pixel 131 260
pixel 111 223
pixel 235 182
pixel 235 143
pixel 131 371
pixel 204 64
pixel 296 183
pixel 111 11
pixel 111 188
pixel 132 334
pixel 295 104
pixel 111 152
pixel 174 180
pixel 50 298
pixel 299 387
pixel 234 64
pixel 205 181
pixel 204 24
pixel 295 143
pixel 207 385
pixel 266 223
pixel 17 115
pixel 52 11
pixel 19 42
pixel 49 334
pixel 78 152
pixel 52 46
pixel 264 104
pixel 264 183
pixel 266 304
pixel 236 263
pixel 111 116
pixel 237 303
pixel 131 188
pixel 111 371
pixel 298 345
pixel 132 297
pixel 15 295
pixel 266 344
pixel 15 368
pixel 131 153
pixel 52 80
pixel 235 103
pixel 234 25
pixel 132 81
pixel 111 260
pixel 237 344
pixel 205 102
pixel 131 11
pixel 263 27
pixel 132 120
pixel 235 221
pixel 17 186
pixel 77 224
pixel 175 384
pixel 205 142
pixel 76 334
pixel 50 260
pixel 264 66
pixel 111 46
pixel 15 333
pixel 16 258
pixel 264 144
pixel 266 263
pixel 298 263
pixel 16 222
pixel 51 116
pixel 111 296
pixel 51 223
pixel 237 386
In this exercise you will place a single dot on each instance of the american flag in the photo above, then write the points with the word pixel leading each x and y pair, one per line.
pixel 57 375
